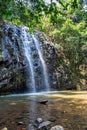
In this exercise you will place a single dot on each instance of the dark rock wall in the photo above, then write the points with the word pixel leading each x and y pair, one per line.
pixel 13 62
pixel 52 56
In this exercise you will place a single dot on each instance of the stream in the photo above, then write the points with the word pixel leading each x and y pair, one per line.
pixel 16 109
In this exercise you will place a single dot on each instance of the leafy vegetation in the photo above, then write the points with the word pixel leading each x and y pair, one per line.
pixel 0 56
pixel 65 22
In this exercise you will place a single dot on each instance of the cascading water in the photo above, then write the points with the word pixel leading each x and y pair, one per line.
pixel 36 65
pixel 23 64
pixel 43 64
pixel 27 50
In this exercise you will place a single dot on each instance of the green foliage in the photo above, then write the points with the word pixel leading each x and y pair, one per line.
pixel 65 23
pixel 71 38
pixel 0 56
pixel 30 12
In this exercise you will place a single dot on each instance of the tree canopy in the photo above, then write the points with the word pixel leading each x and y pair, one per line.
pixel 65 22
pixel 30 12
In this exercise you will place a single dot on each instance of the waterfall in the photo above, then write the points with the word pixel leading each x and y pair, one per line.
pixel 32 51
pixel 44 68
pixel 22 61
pixel 27 51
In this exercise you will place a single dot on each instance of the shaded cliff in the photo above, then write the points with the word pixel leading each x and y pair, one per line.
pixel 12 60
pixel 13 63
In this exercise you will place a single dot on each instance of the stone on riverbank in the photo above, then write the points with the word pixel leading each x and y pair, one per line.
pixel 44 125
pixel 5 128
pixel 57 127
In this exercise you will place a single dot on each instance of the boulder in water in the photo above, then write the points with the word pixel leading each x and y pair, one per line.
pixel 43 102
pixel 44 125
pixel 39 120
pixel 57 127
pixel 31 127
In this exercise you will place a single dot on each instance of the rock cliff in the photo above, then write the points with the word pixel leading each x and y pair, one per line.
pixel 13 63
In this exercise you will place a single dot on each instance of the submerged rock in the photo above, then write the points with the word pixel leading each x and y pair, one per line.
pixel 44 125
pixel 30 127
pixel 39 120
pixel 52 119
pixel 5 128
pixel 43 102
pixel 57 127
pixel 20 123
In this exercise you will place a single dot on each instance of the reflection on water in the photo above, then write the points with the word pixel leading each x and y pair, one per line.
pixel 33 109
pixel 24 108
pixel 29 94
pixel 38 110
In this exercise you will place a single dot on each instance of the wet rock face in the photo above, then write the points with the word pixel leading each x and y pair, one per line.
pixel 11 60
pixel 56 72
pixel 13 63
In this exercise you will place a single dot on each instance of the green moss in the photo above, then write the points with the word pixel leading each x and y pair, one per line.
pixel 1 56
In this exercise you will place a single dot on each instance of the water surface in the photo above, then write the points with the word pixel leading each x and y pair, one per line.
pixel 70 112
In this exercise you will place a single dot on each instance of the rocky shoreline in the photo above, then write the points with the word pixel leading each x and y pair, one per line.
pixel 39 124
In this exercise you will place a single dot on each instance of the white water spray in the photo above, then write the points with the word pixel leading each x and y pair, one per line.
pixel 44 68
pixel 34 78
pixel 27 50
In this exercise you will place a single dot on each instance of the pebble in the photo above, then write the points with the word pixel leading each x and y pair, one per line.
pixel 44 125
pixel 63 112
pixel 31 127
pixel 39 120
pixel 57 127
pixel 52 119
pixel 5 128
pixel 20 123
